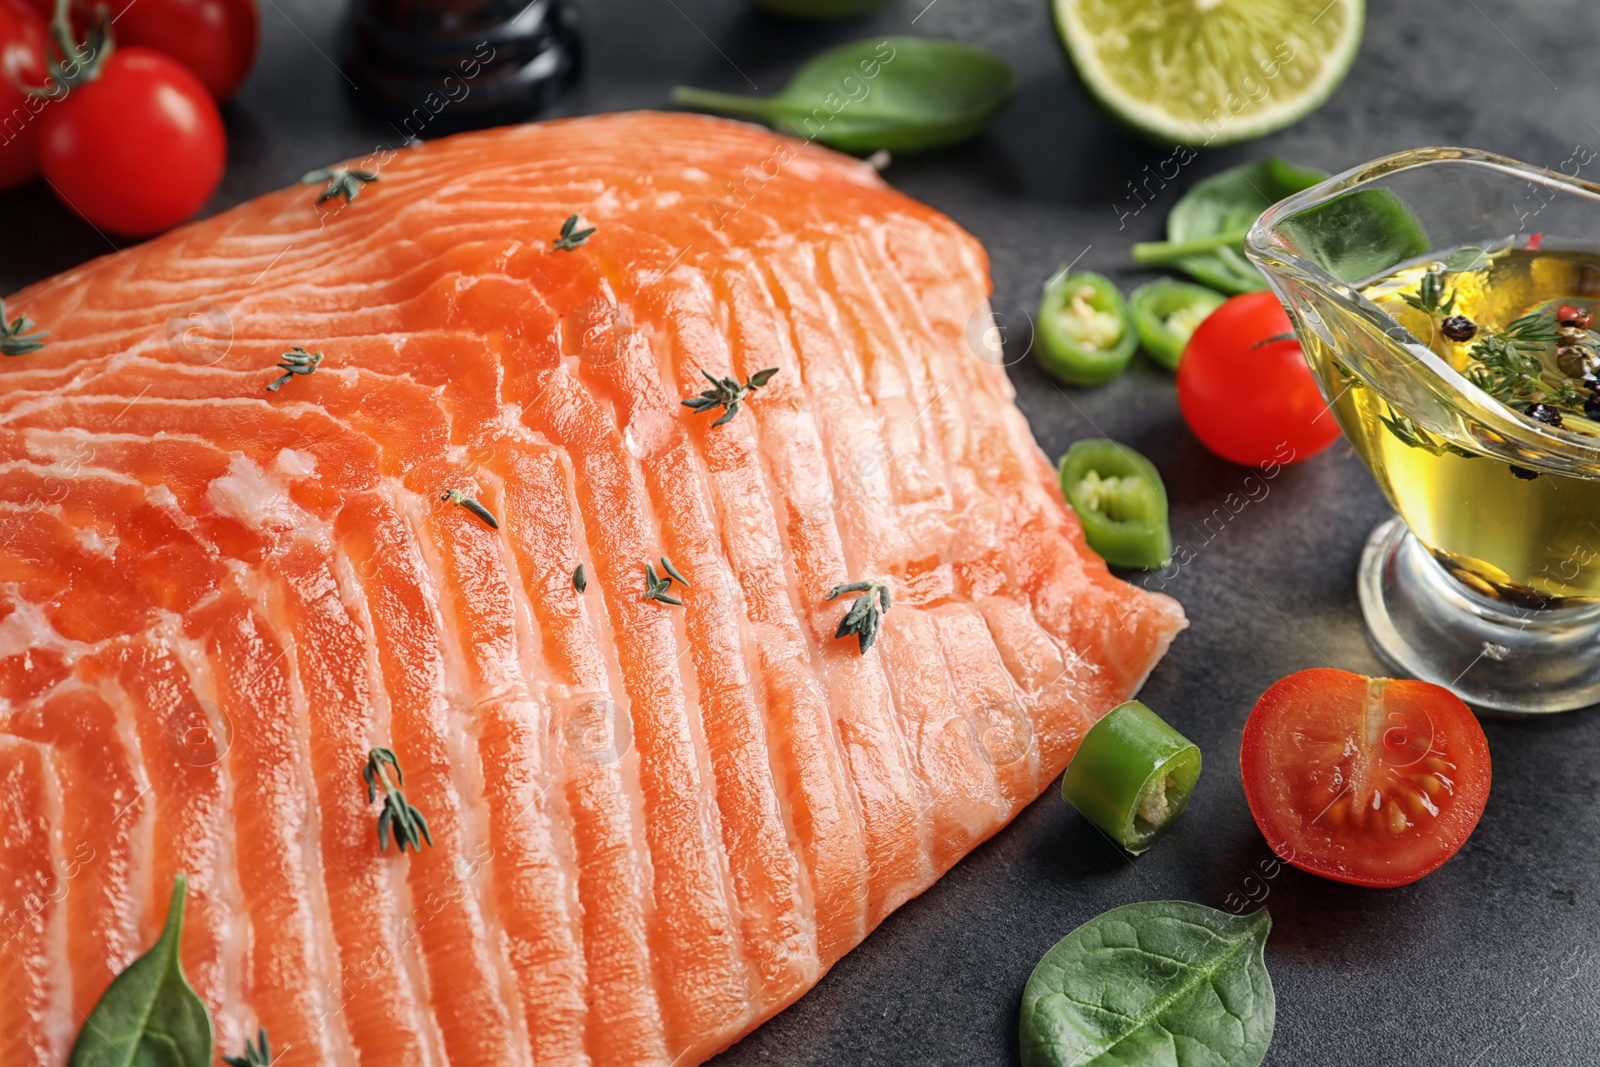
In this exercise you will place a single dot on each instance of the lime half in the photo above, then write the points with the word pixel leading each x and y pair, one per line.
pixel 1210 72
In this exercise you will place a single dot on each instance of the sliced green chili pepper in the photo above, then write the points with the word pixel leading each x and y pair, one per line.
pixel 1166 313
pixel 1121 502
pixel 1085 332
pixel 1132 775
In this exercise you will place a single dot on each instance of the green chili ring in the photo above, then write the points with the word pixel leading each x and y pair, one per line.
pixel 1121 502
pixel 1085 334
pixel 1167 312
pixel 1132 775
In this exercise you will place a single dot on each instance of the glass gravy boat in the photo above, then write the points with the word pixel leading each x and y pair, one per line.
pixel 1488 580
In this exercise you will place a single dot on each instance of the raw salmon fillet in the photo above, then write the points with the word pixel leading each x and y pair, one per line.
pixel 652 826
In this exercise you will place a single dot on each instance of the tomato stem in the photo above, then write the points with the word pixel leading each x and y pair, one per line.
pixel 76 64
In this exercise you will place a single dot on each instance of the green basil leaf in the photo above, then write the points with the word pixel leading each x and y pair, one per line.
pixel 895 93
pixel 1216 214
pixel 1160 984
pixel 149 1016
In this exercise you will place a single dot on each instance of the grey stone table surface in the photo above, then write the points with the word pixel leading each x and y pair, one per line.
pixel 1494 959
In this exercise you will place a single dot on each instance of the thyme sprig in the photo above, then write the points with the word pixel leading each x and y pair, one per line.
pixel 728 393
pixel 571 237
pixel 1506 363
pixel 460 499
pixel 409 827
pixel 295 361
pixel 1430 296
pixel 865 614
pixel 343 182
pixel 656 587
pixel 1414 436
pixel 257 1055
pixel 15 336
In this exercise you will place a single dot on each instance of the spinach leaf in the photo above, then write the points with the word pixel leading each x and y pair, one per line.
pixel 149 1016
pixel 1165 982
pixel 895 93
pixel 1206 229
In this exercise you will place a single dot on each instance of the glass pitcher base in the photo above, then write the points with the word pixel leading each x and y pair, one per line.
pixel 1493 656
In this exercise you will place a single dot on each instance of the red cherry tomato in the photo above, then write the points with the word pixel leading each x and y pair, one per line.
pixel 1248 401
pixel 1363 780
pixel 215 39
pixel 138 149
pixel 22 40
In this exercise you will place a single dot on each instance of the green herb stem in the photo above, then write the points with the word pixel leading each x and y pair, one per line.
pixel 727 103
pixel 1162 253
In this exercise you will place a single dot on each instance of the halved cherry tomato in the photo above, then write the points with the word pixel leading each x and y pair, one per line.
pixel 215 39
pixel 137 149
pixel 22 39
pixel 1371 781
pixel 1245 389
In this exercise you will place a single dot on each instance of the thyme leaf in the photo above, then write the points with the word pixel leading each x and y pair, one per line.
pixel 666 565
pixel 460 499
pixel 655 588
pixel 580 581
pixel 407 823
pixel 865 614
pixel 727 393
pixel 571 237
pixel 257 1055
pixel 15 338
pixel 295 361
pixel 343 182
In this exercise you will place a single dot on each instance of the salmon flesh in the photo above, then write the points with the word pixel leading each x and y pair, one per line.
pixel 661 800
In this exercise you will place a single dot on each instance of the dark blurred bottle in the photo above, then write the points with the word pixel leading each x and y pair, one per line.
pixel 432 67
